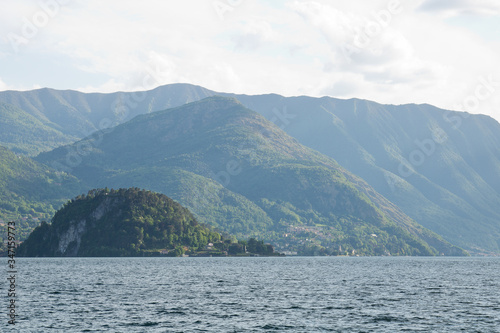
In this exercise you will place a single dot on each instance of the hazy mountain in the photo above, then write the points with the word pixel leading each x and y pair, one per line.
pixel 71 114
pixel 241 173
pixel 440 167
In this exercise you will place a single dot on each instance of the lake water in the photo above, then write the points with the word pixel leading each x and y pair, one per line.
pixel 293 294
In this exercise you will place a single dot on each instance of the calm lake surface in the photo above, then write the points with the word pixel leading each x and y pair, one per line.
pixel 293 294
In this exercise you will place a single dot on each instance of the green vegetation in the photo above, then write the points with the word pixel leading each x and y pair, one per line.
pixel 208 200
pixel 439 167
pixel 42 119
pixel 25 134
pixel 30 192
pixel 125 222
pixel 129 222
pixel 31 189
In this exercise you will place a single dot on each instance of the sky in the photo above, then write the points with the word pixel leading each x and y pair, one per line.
pixel 441 52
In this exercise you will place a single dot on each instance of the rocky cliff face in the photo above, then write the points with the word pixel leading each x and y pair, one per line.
pixel 70 240
pixel 70 236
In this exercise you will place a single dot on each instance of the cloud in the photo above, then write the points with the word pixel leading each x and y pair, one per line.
pixel 3 86
pixel 254 35
pixel 367 46
pixel 337 27
pixel 460 7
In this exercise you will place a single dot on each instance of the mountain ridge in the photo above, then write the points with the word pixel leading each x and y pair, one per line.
pixel 375 141
pixel 252 157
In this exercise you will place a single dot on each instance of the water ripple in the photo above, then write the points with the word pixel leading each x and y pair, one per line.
pixel 258 294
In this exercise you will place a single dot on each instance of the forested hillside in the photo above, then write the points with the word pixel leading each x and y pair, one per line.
pixel 124 222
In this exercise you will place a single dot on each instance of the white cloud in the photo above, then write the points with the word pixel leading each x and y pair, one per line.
pixel 255 34
pixel 366 51
pixel 461 7
pixel 3 86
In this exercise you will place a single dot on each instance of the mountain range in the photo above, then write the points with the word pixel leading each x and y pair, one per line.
pixel 438 168
pixel 241 173
pixel 64 116
pixel 442 168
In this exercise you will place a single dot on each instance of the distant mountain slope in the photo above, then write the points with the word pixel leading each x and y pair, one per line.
pixel 125 222
pixel 441 167
pixel 26 134
pixel 28 187
pixel 76 115
pixel 238 171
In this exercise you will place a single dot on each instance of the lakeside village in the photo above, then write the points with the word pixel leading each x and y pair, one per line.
pixel 312 240
pixel 301 240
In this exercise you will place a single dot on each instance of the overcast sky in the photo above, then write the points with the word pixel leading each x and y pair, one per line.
pixel 441 52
